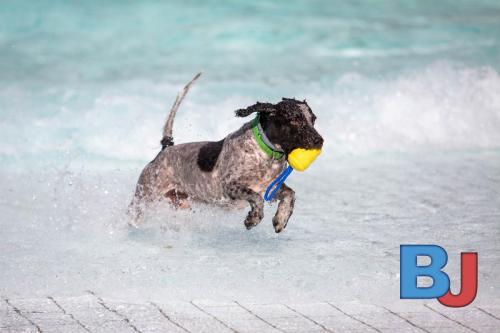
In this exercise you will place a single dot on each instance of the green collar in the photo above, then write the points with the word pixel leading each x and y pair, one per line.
pixel 263 141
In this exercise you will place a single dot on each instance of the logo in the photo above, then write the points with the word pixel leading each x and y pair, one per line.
pixel 440 288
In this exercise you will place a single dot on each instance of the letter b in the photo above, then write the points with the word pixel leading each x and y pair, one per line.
pixel 410 271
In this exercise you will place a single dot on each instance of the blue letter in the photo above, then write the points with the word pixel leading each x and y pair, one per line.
pixel 410 271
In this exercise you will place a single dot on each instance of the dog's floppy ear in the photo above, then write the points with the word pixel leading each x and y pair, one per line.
pixel 258 107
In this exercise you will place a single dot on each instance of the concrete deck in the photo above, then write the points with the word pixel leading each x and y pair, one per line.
pixel 92 313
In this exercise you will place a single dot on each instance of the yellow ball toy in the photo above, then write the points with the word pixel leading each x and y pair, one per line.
pixel 300 159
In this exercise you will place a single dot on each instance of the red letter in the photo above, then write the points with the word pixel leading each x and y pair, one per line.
pixel 468 289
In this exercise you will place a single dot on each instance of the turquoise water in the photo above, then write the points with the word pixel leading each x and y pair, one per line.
pixel 75 41
pixel 94 80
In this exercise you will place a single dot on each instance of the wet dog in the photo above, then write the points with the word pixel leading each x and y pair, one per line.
pixel 237 168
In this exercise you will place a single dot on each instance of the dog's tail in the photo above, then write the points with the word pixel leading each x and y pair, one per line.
pixel 168 139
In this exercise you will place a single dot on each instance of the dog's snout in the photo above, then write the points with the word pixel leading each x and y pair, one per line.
pixel 318 140
pixel 311 139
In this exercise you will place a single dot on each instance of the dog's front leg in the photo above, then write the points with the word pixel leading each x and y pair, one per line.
pixel 237 191
pixel 286 196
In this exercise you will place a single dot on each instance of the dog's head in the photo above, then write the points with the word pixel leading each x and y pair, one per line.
pixel 289 124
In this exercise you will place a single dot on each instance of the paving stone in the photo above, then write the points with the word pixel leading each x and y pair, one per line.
pixel 294 324
pixel 43 313
pixel 252 325
pixel 229 312
pixel 469 317
pixel 270 310
pixel 72 328
pixel 384 321
pixel 315 309
pixel 147 318
pixel 19 329
pixel 340 323
pixel 36 305
pixel 493 311
pixel 356 307
pixel 426 319
pixel 16 319
pixel 202 325
pixel 109 326
pixel 403 329
pixel 91 313
pixel 450 330
pixel 182 310
pixel 86 308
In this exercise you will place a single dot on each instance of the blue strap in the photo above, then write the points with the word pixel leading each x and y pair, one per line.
pixel 276 184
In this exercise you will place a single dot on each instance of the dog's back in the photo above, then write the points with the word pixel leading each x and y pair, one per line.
pixel 191 168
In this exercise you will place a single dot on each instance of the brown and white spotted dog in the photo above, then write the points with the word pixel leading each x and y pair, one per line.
pixel 233 169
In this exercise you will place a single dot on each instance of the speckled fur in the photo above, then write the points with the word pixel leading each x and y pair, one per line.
pixel 232 170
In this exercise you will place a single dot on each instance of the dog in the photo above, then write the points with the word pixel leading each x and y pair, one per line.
pixel 237 168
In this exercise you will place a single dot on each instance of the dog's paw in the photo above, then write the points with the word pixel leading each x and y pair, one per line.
pixel 253 218
pixel 279 224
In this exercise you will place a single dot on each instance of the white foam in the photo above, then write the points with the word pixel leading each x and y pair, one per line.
pixel 440 107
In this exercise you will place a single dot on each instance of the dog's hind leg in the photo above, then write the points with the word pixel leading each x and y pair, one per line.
pixel 136 212
pixel 137 207
pixel 237 191
pixel 286 196
pixel 146 193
